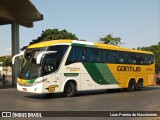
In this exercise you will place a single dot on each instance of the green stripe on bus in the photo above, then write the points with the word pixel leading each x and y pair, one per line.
pixel 100 73
pixel 83 45
pixel 31 81
pixel 95 73
pixel 71 74
pixel 106 73
pixel 80 45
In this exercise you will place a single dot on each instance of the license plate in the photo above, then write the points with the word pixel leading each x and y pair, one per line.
pixel 24 89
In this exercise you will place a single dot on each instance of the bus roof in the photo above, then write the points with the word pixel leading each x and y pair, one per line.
pixel 85 44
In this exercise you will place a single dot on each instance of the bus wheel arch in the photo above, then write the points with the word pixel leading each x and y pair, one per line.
pixel 131 85
pixel 70 88
pixel 139 84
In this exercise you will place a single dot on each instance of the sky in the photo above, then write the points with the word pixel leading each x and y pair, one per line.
pixel 136 22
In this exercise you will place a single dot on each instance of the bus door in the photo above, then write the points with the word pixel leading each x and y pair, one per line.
pixel 49 71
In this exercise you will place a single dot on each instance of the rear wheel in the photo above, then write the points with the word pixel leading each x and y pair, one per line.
pixel 69 89
pixel 139 85
pixel 131 86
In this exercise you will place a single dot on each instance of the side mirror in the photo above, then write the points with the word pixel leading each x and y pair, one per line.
pixel 43 53
pixel 17 55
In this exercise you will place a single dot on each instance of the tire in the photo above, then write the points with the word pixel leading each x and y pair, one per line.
pixel 131 86
pixel 69 89
pixel 139 85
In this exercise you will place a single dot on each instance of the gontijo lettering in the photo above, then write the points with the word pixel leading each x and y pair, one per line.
pixel 128 68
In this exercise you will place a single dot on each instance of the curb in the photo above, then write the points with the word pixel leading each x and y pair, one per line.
pixel 7 86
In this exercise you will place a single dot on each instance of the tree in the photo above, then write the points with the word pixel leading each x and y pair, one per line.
pixel 6 63
pixel 109 39
pixel 53 34
pixel 156 50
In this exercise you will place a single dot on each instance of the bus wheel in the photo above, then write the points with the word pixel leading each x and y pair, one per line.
pixel 131 86
pixel 139 85
pixel 69 89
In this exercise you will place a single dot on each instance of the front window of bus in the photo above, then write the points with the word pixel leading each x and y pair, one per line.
pixel 29 68
pixel 49 62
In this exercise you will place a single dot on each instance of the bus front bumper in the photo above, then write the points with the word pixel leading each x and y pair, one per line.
pixel 38 88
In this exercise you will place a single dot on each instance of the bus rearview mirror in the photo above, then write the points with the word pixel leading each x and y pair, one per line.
pixel 42 54
pixel 17 55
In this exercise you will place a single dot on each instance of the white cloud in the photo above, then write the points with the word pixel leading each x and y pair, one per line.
pixel 8 49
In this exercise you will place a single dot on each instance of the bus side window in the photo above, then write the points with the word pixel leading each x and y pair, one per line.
pixel 77 54
pixel 94 55
pixel 112 56
pixel 81 54
pixel 84 55
pixel 121 60
pixel 120 57
pixel 149 59
pixel 49 64
pixel 132 58
pixel 90 57
pixel 72 56
pixel 105 56
pixel 133 61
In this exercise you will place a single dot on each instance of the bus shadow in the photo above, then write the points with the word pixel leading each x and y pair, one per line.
pixel 79 94
pixel 112 91
pixel 151 88
pixel 87 93
pixel 44 96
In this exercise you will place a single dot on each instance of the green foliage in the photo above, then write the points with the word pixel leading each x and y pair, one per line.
pixel 109 39
pixel 6 62
pixel 156 50
pixel 53 34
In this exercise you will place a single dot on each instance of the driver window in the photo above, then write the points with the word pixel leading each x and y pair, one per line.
pixel 49 64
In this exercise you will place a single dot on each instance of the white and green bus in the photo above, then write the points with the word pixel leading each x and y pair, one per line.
pixel 68 66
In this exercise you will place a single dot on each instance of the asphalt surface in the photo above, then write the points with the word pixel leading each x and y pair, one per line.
pixel 146 100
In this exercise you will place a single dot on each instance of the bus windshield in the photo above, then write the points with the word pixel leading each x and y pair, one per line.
pixel 29 68
pixel 50 62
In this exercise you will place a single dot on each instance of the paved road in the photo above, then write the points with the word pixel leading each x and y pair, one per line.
pixel 146 100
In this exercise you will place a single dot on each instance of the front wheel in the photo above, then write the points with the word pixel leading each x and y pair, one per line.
pixel 69 89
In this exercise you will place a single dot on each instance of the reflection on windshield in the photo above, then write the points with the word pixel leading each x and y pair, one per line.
pixel 50 62
pixel 29 68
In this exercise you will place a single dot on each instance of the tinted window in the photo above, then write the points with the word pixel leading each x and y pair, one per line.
pixel 77 54
pixel 94 55
pixel 50 63
pixel 121 57
pixel 61 49
pixel 109 56
pixel 84 54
